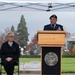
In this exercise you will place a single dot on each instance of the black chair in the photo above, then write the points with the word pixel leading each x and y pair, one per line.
pixel 18 67
pixel 17 64
pixel 0 68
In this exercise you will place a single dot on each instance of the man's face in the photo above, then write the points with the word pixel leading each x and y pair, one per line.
pixel 11 37
pixel 53 20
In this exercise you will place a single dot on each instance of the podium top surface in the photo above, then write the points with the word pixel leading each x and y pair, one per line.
pixel 47 31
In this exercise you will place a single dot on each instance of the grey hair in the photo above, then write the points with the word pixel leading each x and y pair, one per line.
pixel 10 33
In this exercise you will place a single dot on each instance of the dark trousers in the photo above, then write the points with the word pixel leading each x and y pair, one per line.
pixel 9 67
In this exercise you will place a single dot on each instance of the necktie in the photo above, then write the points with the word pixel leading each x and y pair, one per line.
pixel 53 26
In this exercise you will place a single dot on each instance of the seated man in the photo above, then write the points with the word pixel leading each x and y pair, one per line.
pixel 53 25
pixel 10 54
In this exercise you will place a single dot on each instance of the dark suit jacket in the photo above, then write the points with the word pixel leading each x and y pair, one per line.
pixel 10 51
pixel 49 27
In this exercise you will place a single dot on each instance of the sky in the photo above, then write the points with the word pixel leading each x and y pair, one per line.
pixel 36 20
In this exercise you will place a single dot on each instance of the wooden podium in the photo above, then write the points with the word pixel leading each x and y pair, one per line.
pixel 51 43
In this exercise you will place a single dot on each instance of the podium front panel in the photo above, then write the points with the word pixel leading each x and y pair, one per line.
pixel 51 39
pixel 51 61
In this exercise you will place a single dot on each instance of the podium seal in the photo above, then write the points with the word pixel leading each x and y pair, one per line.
pixel 51 59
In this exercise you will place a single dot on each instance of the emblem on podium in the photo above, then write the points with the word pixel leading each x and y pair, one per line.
pixel 51 59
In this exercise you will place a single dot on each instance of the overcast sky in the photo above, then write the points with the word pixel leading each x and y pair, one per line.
pixel 36 20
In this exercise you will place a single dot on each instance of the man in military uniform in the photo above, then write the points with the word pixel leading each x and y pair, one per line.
pixel 53 25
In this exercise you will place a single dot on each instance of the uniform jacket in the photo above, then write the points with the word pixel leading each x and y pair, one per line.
pixel 57 27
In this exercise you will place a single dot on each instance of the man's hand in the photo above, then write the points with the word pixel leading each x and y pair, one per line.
pixel 59 29
pixel 8 59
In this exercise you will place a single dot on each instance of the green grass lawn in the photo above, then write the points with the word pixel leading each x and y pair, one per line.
pixel 68 65
pixel 29 59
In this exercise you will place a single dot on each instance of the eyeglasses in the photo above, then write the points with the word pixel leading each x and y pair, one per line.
pixel 10 36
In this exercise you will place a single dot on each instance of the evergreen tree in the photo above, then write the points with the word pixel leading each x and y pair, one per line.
pixel 12 29
pixel 22 32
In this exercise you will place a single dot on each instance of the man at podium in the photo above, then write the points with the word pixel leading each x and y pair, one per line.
pixel 53 25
